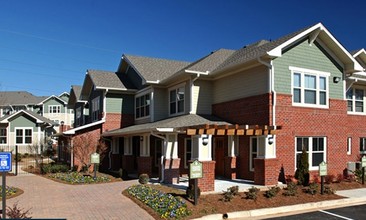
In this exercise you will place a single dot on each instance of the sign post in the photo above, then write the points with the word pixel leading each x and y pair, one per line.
pixel 363 165
pixel 5 166
pixel 95 159
pixel 195 172
pixel 322 174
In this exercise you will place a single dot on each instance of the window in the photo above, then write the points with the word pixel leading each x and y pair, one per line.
pixel 158 147
pixel 78 116
pixel 257 149
pixel 176 98
pixel 115 146
pixel 3 136
pixel 315 147
pixel 355 102
pixel 363 145
pixel 23 136
pixel 309 87
pixel 187 151
pixel 143 106
pixel 54 109
pixel 95 108
pixel 349 146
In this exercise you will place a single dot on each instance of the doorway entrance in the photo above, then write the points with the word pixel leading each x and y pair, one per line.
pixel 219 156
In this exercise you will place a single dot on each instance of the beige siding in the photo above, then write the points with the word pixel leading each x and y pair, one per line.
pixel 242 84
pixel 161 103
pixel 24 148
pixel 202 97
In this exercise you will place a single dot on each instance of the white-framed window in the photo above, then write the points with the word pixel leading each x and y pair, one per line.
pixel 355 100
pixel 310 87
pixel 3 136
pixel 176 100
pixel 115 146
pixel 363 145
pixel 142 104
pixel 54 109
pixel 158 149
pixel 95 108
pixel 187 151
pixel 316 149
pixel 349 146
pixel 23 135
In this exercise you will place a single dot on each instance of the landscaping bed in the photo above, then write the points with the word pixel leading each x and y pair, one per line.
pixel 215 204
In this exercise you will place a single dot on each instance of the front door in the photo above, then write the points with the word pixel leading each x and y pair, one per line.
pixel 219 156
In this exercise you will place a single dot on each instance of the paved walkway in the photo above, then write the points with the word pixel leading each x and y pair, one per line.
pixel 49 199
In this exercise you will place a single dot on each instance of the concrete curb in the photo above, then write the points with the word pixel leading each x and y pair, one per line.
pixel 286 209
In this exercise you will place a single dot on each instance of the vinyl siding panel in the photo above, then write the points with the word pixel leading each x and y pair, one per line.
pixel 243 84
pixel 114 104
pixel 202 97
pixel 306 56
pixel 23 121
pixel 160 103
pixel 53 102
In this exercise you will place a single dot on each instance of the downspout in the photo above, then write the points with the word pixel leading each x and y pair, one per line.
pixel 162 155
pixel 271 88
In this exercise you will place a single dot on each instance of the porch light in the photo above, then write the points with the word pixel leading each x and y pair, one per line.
pixel 270 140
pixel 336 79
pixel 205 140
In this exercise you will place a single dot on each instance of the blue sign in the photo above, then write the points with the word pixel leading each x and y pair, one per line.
pixel 5 161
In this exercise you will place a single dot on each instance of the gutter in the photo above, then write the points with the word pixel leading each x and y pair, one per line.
pixel 162 155
pixel 271 88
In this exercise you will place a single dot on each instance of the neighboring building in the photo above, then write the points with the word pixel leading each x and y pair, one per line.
pixel 243 113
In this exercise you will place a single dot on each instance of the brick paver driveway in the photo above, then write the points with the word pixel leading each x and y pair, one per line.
pixel 49 199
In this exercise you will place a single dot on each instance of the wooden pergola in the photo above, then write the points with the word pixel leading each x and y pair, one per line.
pixel 214 129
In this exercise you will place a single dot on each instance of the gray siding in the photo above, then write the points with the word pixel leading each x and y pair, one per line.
pixel 243 84
pixel 114 103
pixel 161 103
pixel 53 102
pixel 310 57
pixel 202 97
pixel 22 121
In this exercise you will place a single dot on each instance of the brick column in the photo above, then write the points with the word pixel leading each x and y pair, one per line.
pixel 171 170
pixel 266 171
pixel 230 167
pixel 144 165
pixel 127 163
pixel 207 182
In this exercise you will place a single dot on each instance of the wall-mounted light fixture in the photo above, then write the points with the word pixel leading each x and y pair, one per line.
pixel 270 140
pixel 141 138
pixel 336 79
pixel 205 140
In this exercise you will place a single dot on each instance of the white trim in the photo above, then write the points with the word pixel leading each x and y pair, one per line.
pixel 197 72
pixel 349 145
pixel 23 135
pixel 310 151
pixel 72 131
pixel 294 69
pixel 176 88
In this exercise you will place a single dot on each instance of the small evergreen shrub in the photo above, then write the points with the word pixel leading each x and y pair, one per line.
pixel 312 189
pixel 302 171
pixel 54 168
pixel 329 190
pixel 190 192
pixel 144 178
pixel 252 193
pixel 230 193
pixel 291 189
pixel 272 192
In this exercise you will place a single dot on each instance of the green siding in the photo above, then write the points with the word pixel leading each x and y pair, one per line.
pixel 53 102
pixel 310 57
pixel 23 121
pixel 120 103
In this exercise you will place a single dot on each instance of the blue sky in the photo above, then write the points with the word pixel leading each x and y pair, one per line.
pixel 47 45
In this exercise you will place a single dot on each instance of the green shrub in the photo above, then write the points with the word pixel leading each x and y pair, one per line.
pixel 190 192
pixel 230 193
pixel 144 178
pixel 291 189
pixel 358 175
pixel 252 193
pixel 54 168
pixel 272 192
pixel 302 171
pixel 78 178
pixel 18 157
pixel 329 190
pixel 312 189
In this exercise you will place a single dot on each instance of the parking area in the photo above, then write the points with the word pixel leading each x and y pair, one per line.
pixel 50 199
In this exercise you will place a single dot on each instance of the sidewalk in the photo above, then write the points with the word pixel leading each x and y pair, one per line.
pixel 352 197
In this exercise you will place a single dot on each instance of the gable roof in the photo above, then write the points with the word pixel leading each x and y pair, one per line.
pixel 39 119
pixel 17 98
pixel 154 70
pixel 107 79
pixel 51 97
pixel 75 92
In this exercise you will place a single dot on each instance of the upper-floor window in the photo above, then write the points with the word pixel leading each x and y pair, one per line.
pixel 78 116
pixel 176 100
pixel 3 136
pixel 95 108
pixel 315 147
pixel 23 135
pixel 54 109
pixel 309 87
pixel 363 145
pixel 355 100
pixel 142 106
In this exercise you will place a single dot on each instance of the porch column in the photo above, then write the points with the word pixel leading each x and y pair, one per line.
pixel 230 159
pixel 127 158
pixel 171 162
pixel 202 150
pixel 144 162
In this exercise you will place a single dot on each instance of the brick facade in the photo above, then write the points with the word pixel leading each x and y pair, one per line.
pixel 230 167
pixel 171 170
pixel 266 171
pixel 207 182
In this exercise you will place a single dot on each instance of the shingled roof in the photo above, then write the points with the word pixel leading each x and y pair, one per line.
pixel 18 98
pixel 39 118
pixel 108 79
pixel 155 69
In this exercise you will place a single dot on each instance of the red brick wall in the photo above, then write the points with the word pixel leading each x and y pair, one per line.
pixel 230 167
pixel 207 182
pixel 266 171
